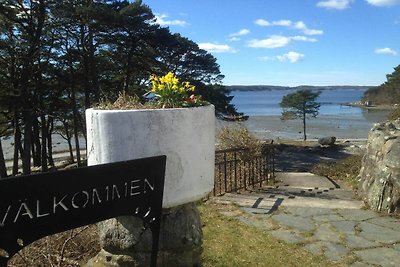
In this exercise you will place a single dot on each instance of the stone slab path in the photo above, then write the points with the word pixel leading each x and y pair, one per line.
pixel 316 213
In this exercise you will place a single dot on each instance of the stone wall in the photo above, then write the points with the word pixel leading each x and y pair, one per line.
pixel 380 172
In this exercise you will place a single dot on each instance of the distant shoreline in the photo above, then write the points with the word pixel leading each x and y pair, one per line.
pixel 275 87
pixel 370 107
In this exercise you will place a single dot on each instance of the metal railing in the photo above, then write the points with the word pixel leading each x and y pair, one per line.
pixel 234 172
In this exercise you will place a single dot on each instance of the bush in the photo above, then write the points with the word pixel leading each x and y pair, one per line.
pixel 239 138
pixel 394 114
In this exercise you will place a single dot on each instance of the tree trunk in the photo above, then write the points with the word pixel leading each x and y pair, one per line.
pixel 50 141
pixel 3 168
pixel 43 126
pixel 75 120
pixel 36 146
pixel 68 138
pixel 17 144
pixel 85 65
pixel 128 69
pixel 44 141
pixel 304 125
pixel 76 135
pixel 82 123
pixel 26 155
pixel 93 69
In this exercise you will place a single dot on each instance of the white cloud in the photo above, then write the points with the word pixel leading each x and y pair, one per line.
pixel 234 39
pixel 383 2
pixel 276 41
pixel 262 22
pixel 291 57
pixel 161 20
pixel 335 4
pixel 283 22
pixel 385 51
pixel 240 33
pixel 217 48
pixel 299 25
pixel 304 39
pixel 235 36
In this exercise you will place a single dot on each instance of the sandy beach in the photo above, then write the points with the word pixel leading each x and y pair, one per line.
pixel 272 127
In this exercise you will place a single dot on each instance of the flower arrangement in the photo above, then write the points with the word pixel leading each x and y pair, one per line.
pixel 165 92
pixel 169 92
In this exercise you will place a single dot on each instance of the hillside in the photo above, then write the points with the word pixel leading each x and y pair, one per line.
pixel 382 95
pixel 386 93
pixel 274 87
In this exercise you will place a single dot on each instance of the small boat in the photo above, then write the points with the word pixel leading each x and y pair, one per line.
pixel 234 117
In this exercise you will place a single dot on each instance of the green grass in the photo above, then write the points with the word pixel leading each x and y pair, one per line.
pixel 227 242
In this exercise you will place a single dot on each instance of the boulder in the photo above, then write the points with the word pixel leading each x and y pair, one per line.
pixel 379 176
pixel 327 141
pixel 126 242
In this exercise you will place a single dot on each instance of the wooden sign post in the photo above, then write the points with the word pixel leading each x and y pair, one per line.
pixel 35 206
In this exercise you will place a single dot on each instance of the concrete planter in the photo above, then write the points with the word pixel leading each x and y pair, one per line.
pixel 185 135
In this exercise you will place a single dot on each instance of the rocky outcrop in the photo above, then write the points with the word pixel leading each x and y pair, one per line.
pixel 380 172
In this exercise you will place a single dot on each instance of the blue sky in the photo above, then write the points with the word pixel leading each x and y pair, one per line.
pixel 291 42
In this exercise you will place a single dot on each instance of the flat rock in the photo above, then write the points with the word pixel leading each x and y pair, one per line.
pixel 315 248
pixel 335 252
pixel 347 227
pixel 358 242
pixel 308 212
pixel 328 218
pixel 287 236
pixel 304 180
pixel 325 233
pixel 357 215
pixel 385 257
pixel 387 222
pixel 302 224
pixel 378 233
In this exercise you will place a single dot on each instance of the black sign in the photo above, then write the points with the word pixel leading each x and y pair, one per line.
pixel 35 206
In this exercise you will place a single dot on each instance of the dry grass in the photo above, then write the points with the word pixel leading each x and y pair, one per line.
pixel 123 102
pixel 394 114
pixel 67 249
pixel 345 170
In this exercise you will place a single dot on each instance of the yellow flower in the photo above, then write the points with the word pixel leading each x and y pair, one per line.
pixel 169 90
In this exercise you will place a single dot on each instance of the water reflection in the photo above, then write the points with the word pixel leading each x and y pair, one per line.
pixel 373 115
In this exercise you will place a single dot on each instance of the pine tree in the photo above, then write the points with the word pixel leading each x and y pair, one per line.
pixel 299 105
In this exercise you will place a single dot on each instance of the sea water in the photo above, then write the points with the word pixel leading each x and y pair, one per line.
pixel 266 103
pixel 334 118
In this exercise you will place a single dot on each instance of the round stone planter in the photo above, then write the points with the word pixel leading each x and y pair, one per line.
pixel 185 135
